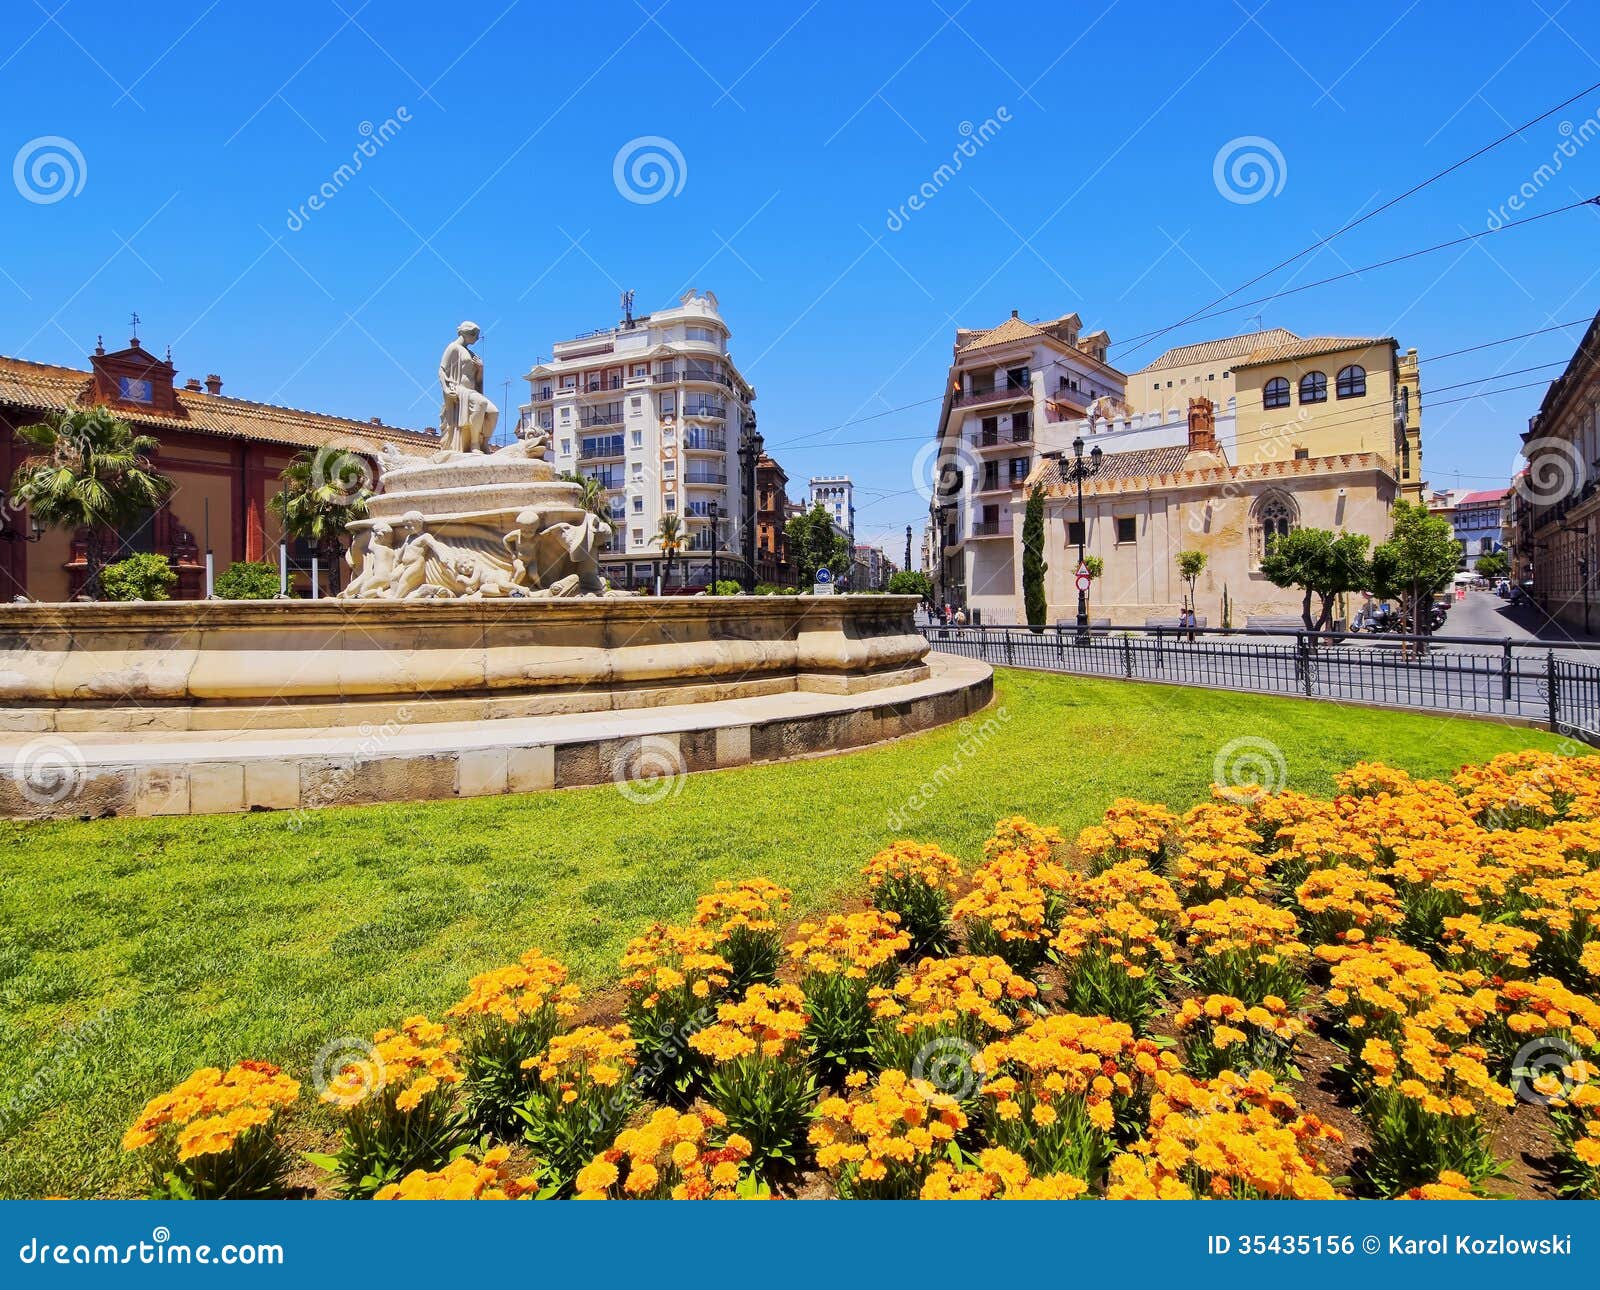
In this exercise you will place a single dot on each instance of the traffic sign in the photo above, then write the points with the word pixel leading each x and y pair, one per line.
pixel 1083 582
pixel 824 574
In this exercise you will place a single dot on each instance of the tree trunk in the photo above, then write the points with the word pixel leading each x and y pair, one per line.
pixel 1305 611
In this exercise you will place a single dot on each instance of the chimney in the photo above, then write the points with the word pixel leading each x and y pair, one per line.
pixel 374 421
pixel 1202 426
pixel 193 383
pixel 213 384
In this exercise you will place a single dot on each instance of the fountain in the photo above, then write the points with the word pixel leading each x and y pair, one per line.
pixel 475 650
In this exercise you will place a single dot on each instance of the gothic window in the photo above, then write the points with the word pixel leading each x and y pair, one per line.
pixel 1273 516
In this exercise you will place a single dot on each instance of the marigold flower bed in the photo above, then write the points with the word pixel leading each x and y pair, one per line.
pixel 1128 1015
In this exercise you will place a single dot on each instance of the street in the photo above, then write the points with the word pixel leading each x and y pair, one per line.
pixel 1482 613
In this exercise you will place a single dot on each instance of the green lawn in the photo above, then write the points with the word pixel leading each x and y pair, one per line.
pixel 132 951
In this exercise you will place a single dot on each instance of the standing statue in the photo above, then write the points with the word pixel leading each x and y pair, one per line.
pixel 467 419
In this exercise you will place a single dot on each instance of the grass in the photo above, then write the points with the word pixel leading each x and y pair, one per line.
pixel 133 951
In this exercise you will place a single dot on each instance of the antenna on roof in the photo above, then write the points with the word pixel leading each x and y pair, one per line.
pixel 627 309
pixel 1256 323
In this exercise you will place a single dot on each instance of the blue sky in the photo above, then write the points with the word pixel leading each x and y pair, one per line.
pixel 204 128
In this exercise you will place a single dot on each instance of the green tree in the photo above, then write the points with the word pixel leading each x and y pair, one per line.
pixel 1320 563
pixel 323 490
pixel 815 544
pixel 1190 565
pixel 1034 603
pixel 1418 561
pixel 909 582
pixel 88 471
pixel 146 576
pixel 671 538
pixel 1492 564
pixel 593 497
pixel 246 580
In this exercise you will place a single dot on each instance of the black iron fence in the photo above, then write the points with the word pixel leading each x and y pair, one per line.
pixel 1559 688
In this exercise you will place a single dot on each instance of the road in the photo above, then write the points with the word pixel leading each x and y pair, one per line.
pixel 1484 614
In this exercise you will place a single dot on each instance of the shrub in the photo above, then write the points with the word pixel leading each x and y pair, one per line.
pixel 1112 960
pixel 213 1137
pixel 246 580
pixel 1223 1033
pixel 146 576
pixel 916 883
pixel 998 1174
pixel 466 1179
pixel 1131 831
pixel 673 980
pixel 509 1015
pixel 583 1098
pixel 398 1108
pixel 1247 949
pixel 883 1144
pixel 725 587
pixel 760 1080
pixel 742 919
pixel 670 1157
pixel 839 961
pixel 1053 1092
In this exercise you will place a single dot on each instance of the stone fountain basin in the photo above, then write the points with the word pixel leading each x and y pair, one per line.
pixel 220 665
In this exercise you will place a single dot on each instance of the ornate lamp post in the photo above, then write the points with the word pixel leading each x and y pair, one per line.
pixel 1078 470
pixel 751 447
pixel 908 548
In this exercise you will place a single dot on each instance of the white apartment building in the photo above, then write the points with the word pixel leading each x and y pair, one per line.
pixel 654 408
pixel 837 495
pixel 1013 391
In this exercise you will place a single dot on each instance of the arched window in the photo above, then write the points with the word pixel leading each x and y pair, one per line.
pixel 1273 516
pixel 1352 382
pixel 1314 387
pixel 1275 394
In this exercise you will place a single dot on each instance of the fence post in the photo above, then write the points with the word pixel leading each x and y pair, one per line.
pixel 1010 657
pixel 983 645
pixel 1300 656
pixel 1160 660
pixel 1061 648
pixel 1303 663
pixel 1127 656
pixel 1550 685
pixel 1505 670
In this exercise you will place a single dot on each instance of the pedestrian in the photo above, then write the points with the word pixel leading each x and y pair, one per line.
pixel 961 617
pixel 1189 622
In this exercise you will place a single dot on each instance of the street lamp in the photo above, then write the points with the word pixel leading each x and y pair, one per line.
pixel 713 548
pixel 1077 470
pixel 751 448
pixel 35 531
pixel 908 548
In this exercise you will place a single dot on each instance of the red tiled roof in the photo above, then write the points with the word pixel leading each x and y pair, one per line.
pixel 51 388
pixel 1210 351
pixel 1483 497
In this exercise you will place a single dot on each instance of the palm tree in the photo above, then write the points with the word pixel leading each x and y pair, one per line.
pixel 91 472
pixel 324 489
pixel 671 538
pixel 593 497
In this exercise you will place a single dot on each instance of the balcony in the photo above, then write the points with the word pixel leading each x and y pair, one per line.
pixel 704 476
pixel 600 448
pixel 1001 439
pixel 544 393
pixel 992 528
pixel 598 385
pixel 705 441
pixel 610 416
pixel 1006 393
pixel 706 410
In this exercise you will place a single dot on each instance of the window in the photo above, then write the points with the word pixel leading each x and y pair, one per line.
pixel 1314 387
pixel 1273 516
pixel 1017 378
pixel 638 403
pixel 638 504
pixel 638 470
pixel 991 475
pixel 699 333
pixel 1127 529
pixel 669 405
pixel 671 502
pixel 637 438
pixel 1275 393
pixel 638 537
pixel 1020 424
pixel 1075 536
pixel 1352 382
pixel 1019 470
pixel 1302 454
pixel 566 447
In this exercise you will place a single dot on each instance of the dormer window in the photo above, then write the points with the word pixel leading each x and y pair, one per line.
pixel 135 390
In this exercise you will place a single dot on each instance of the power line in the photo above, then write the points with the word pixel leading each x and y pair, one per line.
pixel 1380 264
pixel 1378 210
